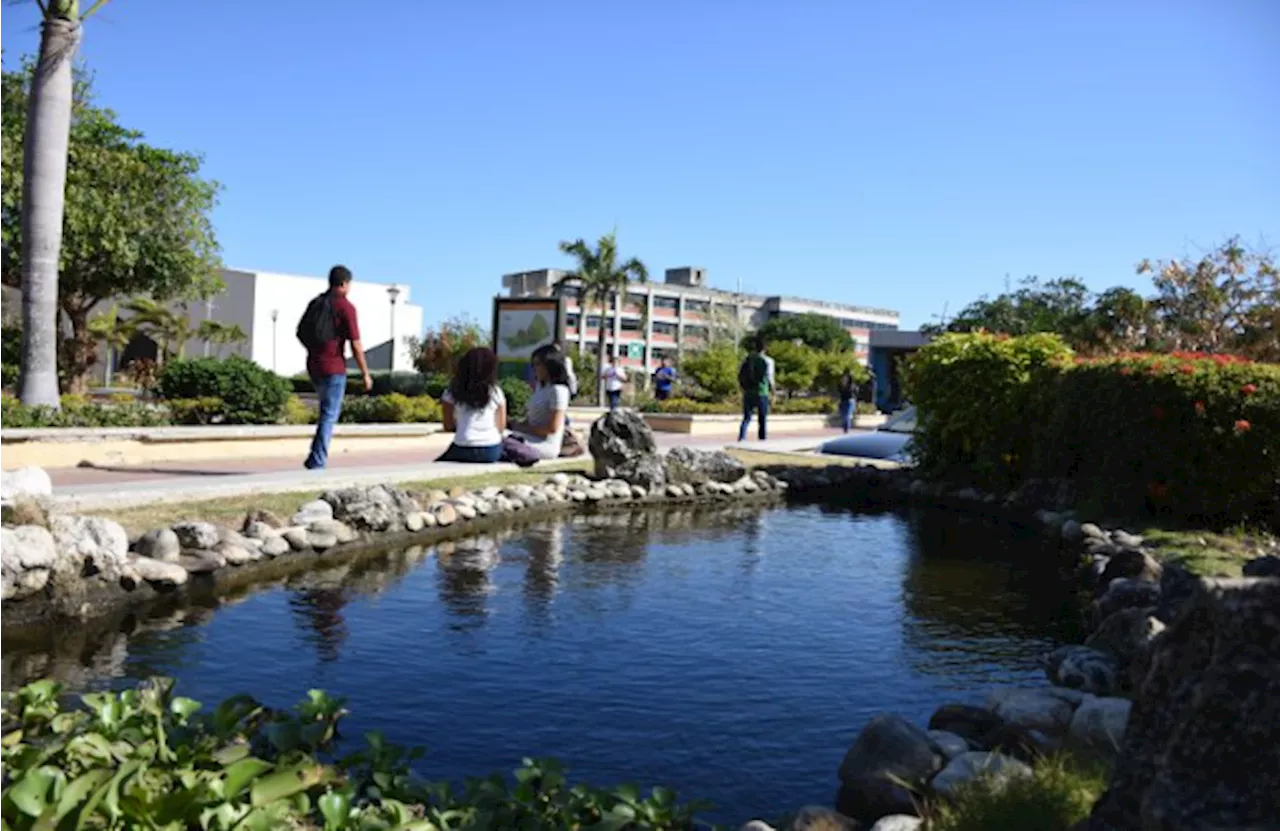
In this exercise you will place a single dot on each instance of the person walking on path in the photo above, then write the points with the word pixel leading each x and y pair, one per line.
pixel 326 327
pixel 755 378
pixel 663 379
pixel 475 409
pixel 614 378
pixel 847 390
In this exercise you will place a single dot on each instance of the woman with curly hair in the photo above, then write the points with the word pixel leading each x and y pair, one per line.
pixel 475 409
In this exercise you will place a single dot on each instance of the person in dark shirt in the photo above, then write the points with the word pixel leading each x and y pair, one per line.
pixel 327 365
pixel 847 390
pixel 663 379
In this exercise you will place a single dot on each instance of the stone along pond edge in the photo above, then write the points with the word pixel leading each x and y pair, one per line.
pixel 892 770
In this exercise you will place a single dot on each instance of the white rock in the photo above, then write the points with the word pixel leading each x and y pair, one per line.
pixel 1091 531
pixel 237 555
pixel 491 493
pixel 969 766
pixel 159 544
pixel 757 825
pixel 465 511
pixel 321 541
pixel 258 530
pixel 675 491
pixel 314 510
pixel 340 531
pixel 578 496
pixel 560 480
pixel 483 507
pixel 297 538
pixel 445 514
pixel 199 535
pixel 99 543
pixel 898 822
pixel 159 574
pixel 817 818
pixel 638 492
pixel 1098 726
pixel 26 547
pixel 31 482
pixel 413 521
pixel 275 545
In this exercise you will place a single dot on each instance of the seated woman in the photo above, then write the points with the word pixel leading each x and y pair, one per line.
pixel 475 409
pixel 543 427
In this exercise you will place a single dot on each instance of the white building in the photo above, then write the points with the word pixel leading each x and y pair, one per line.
pixel 268 307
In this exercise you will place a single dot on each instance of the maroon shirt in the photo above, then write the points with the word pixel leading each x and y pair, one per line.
pixel 330 359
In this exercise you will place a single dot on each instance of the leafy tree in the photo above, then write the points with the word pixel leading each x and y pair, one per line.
pixel 169 328
pixel 114 332
pixel 831 369
pixel 601 278
pixel 1120 320
pixel 795 366
pixel 714 369
pixel 221 334
pixel 136 221
pixel 441 347
pixel 814 330
pixel 1060 305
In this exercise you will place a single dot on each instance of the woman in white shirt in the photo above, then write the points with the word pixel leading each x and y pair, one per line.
pixel 475 409
pixel 543 427
pixel 614 378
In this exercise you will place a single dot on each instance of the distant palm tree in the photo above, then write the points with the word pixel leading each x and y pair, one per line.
pixel 115 334
pixel 44 187
pixel 600 279
pixel 170 329
pixel 220 334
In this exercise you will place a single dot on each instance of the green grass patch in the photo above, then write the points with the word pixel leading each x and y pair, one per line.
pixel 1060 793
pixel 1204 553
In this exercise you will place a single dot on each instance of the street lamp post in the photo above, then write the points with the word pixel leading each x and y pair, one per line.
pixel 275 315
pixel 393 291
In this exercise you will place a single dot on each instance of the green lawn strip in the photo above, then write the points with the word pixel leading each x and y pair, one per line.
pixel 1205 553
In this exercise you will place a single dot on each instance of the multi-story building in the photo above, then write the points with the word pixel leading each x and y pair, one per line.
pixel 657 320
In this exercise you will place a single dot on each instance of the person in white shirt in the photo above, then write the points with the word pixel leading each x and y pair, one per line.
pixel 545 414
pixel 615 377
pixel 475 409
pixel 568 368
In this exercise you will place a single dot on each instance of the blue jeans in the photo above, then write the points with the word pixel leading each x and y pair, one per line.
pixel 329 389
pixel 753 403
pixel 846 415
pixel 614 397
pixel 472 455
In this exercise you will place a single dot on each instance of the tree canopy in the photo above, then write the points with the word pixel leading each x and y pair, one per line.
pixel 814 330
pixel 136 221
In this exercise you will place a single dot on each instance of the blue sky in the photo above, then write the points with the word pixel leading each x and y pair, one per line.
pixel 894 154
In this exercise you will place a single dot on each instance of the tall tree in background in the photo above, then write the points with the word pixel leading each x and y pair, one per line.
pixel 601 278
pixel 816 331
pixel 134 221
pixel 44 181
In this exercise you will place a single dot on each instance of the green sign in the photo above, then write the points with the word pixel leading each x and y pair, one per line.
pixel 635 351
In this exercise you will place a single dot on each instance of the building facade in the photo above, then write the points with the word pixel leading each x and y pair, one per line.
pixel 662 320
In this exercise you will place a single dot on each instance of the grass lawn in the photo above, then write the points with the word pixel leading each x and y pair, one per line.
pixel 1204 552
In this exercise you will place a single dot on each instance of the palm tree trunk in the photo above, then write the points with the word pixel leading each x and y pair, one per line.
pixel 602 360
pixel 43 198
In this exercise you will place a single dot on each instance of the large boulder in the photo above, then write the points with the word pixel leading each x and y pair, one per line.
pixel 161 544
pixel 647 471
pixel 1097 728
pixel 1083 668
pixel 688 466
pixel 27 553
pixel 618 437
pixel 1200 746
pixel 1032 710
pixel 28 482
pixel 890 757
pixel 1127 634
pixel 377 508
pixel 965 720
pixel 967 767
pixel 197 535
pixel 1125 593
pixel 92 546
pixel 1132 564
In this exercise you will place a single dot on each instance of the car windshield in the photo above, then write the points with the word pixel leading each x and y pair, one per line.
pixel 903 422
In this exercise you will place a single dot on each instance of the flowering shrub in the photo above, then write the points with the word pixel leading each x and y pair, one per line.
pixel 390 409
pixel 1192 434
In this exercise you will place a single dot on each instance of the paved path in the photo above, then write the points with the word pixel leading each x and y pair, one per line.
pixel 85 488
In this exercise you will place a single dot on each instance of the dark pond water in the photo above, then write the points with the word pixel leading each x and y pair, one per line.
pixel 733 655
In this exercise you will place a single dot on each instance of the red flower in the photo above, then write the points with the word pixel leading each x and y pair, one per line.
pixel 1157 411
pixel 1243 426
pixel 1249 389
pixel 1199 408
pixel 1187 369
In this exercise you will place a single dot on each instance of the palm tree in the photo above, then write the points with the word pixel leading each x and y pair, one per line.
pixel 600 279
pixel 170 329
pixel 114 333
pixel 44 184
pixel 220 334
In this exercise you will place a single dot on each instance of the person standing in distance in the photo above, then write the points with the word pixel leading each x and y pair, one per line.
pixel 615 377
pixel 327 326
pixel 755 379
pixel 663 379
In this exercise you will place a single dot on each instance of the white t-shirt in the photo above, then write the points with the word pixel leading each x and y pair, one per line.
pixel 573 379
pixel 614 378
pixel 477 428
pixel 542 405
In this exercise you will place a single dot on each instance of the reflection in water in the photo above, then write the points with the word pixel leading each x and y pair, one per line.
pixel 655 645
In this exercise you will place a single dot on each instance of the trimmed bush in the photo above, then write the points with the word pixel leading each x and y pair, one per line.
pixel 733 406
pixel 195 410
pixel 250 394
pixel 78 412
pixel 518 394
pixel 296 411
pixel 390 409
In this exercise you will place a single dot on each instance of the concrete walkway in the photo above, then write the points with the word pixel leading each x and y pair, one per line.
pixel 98 488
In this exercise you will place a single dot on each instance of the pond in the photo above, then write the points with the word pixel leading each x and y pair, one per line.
pixel 731 654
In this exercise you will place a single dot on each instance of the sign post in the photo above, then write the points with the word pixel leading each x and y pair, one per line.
pixel 521 325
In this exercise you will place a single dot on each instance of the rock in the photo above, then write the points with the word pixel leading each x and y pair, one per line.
pixel 316 509
pixel 1072 531
pixel 1133 564
pixel 597 494
pixel 162 575
pixel 237 555
pixel 1268 565
pixel 201 563
pixel 29 482
pixel 1083 668
pixel 321 541
pixel 560 480
pixel 256 530
pixel 159 544
pixel 1177 587
pixel 434 496
pixel 898 822
pixel 1090 531
pixel 618 437
pixel 951 744
pixel 1097 728
pixel 967 767
pixel 483 507
pixel 297 538
pixel 92 545
pixel 516 504
pixel 684 465
pixel 465 511
pixel 340 531
pixel 817 818
pixel 445 514
pixel 619 489
pixel 578 496
pixel 639 492
pixel 647 470
pixel 1125 593
pixel 890 756
pixel 377 508
pixel 1126 540
pixel 263 516
pixel 1034 710
pixel 964 720
pixel 1127 634
pixel 1200 746
pixel 757 825
pixel 202 536
pixel 275 545
pixel 1026 744
pixel 24 510
pixel 675 492
pixel 27 554
pixel 413 522
pixel 747 485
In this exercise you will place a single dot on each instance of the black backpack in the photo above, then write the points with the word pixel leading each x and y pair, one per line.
pixel 317 327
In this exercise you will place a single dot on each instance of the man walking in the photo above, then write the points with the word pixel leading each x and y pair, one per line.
pixel 663 379
pixel 755 378
pixel 614 378
pixel 327 325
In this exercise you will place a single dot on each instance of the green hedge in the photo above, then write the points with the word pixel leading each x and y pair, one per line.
pixel 145 758
pixel 389 409
pixel 77 411
pixel 1191 435
pixel 384 383
pixel 250 393
pixel 687 406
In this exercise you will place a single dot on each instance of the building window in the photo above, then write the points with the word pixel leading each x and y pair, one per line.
pixel 726 309
pixel 664 328
pixel 668 303
pixel 571 321
pixel 630 325
pixel 639 301
pixel 695 331
pixel 593 322
pixel 570 291
pixel 700 307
